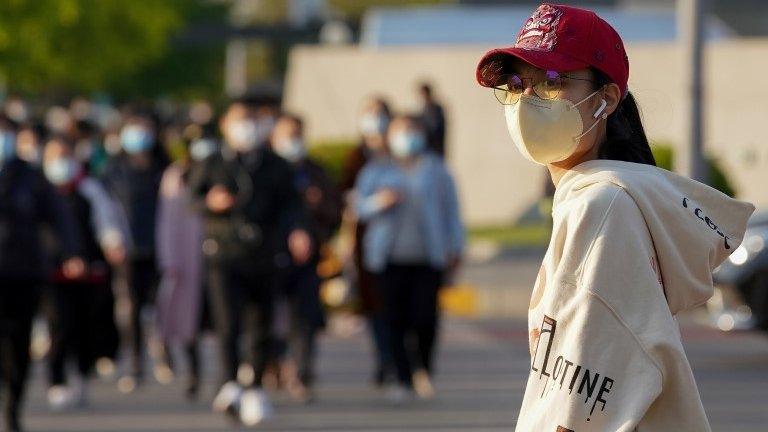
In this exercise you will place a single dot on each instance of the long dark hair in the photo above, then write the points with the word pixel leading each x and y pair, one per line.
pixel 625 137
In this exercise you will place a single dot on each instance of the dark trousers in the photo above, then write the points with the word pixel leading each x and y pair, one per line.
pixel 301 288
pixel 18 302
pixel 142 280
pixel 241 303
pixel 72 318
pixel 411 310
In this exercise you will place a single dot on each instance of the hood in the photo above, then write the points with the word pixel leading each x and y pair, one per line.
pixel 693 227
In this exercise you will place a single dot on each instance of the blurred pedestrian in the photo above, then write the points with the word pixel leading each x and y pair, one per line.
pixel 413 241
pixel 28 144
pixel 28 204
pixel 300 283
pixel 133 178
pixel 180 260
pixel 632 244
pixel 373 121
pixel 79 329
pixel 89 149
pixel 253 221
pixel 432 116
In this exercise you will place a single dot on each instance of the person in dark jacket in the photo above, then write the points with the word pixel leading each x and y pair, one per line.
pixel 373 122
pixel 432 116
pixel 253 221
pixel 28 203
pixel 80 313
pixel 300 284
pixel 133 178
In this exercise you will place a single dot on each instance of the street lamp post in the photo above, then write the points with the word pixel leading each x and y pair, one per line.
pixel 689 22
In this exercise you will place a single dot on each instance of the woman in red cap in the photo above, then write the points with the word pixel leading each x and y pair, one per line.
pixel 632 244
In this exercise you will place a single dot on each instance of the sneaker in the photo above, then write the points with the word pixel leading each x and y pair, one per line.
pixel 105 368
pixel 399 394
pixel 245 374
pixel 128 384
pixel 228 397
pixel 60 398
pixel 299 392
pixel 254 407
pixel 163 373
pixel 422 384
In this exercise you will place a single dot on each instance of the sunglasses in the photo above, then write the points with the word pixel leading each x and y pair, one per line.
pixel 510 87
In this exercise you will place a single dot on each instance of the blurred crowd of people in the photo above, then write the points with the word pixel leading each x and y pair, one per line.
pixel 198 221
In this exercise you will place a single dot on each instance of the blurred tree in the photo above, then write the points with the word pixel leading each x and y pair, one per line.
pixel 64 46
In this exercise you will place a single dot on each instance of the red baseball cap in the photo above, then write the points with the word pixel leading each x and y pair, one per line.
pixel 563 39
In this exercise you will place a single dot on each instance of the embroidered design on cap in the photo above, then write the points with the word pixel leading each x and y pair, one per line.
pixel 538 33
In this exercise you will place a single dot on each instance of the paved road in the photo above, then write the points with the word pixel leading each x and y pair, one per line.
pixel 479 389
pixel 482 370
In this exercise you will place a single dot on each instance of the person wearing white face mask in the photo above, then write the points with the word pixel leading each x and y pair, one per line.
pixel 299 285
pixel 632 245
pixel 372 124
pixel 80 315
pixel 413 243
pixel 133 178
pixel 180 295
pixel 30 206
pixel 253 223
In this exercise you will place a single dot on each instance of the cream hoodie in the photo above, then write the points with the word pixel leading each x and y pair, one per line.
pixel 632 245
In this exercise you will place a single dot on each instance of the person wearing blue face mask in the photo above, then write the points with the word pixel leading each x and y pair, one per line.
pixel 414 242
pixel 81 312
pixel 28 204
pixel 133 178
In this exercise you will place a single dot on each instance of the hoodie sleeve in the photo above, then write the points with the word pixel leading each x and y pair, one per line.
pixel 590 368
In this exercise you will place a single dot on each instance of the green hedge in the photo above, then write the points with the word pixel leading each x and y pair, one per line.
pixel 331 155
pixel 717 177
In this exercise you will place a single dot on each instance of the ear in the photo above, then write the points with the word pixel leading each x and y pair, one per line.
pixel 612 97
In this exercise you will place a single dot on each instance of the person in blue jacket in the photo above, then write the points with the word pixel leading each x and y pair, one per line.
pixel 414 240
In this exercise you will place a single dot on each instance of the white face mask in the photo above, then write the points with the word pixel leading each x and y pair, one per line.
pixel 61 171
pixel 247 134
pixel 243 135
pixel 291 149
pixel 373 124
pixel 547 131
pixel 201 149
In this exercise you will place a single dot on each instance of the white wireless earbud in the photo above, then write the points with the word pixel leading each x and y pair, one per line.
pixel 603 104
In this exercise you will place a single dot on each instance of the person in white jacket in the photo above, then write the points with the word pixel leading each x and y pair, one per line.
pixel 632 244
